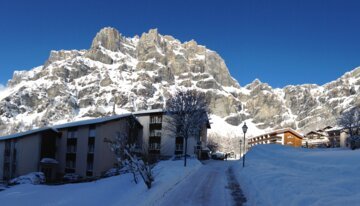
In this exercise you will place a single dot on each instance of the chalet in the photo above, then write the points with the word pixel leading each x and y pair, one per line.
pixel 316 139
pixel 286 136
pixel 326 137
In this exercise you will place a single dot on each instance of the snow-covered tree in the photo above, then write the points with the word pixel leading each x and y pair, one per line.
pixel 228 143
pixel 350 120
pixel 186 115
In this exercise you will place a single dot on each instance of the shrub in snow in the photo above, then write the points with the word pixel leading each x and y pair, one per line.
pixel 115 171
pixel 34 178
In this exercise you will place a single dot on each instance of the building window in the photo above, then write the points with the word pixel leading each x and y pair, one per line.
pixel 72 133
pixel 71 148
pixel 154 146
pixel 155 120
pixel 89 166
pixel 91 148
pixel 155 133
pixel 179 144
pixel 70 164
pixel 92 131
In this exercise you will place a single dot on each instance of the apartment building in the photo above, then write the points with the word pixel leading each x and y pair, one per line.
pixel 286 136
pixel 160 143
pixel 76 147
pixel 82 147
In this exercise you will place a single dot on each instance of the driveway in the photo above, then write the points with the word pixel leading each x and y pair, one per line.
pixel 213 184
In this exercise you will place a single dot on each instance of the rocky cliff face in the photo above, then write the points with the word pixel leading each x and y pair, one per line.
pixel 128 74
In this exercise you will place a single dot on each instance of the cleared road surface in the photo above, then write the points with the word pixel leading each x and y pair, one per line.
pixel 213 184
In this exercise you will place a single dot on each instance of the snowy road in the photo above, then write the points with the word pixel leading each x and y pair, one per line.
pixel 213 184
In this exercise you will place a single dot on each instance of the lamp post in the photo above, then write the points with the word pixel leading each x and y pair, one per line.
pixel 240 147
pixel 244 128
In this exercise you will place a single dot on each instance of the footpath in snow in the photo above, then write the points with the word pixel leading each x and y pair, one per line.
pixel 279 175
pixel 118 190
pixel 214 184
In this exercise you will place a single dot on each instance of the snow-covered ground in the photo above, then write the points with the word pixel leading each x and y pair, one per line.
pixel 118 190
pixel 279 175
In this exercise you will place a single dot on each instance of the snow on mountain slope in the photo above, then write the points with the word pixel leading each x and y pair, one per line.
pixel 139 73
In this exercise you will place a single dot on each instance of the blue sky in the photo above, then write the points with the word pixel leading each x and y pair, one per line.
pixel 280 42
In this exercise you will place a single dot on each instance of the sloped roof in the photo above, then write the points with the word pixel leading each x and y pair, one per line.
pixel 55 128
pixel 315 132
pixel 92 121
pixel 145 112
pixel 280 131
pixel 27 133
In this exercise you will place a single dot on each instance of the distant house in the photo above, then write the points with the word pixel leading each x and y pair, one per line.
pixel 76 147
pixel 160 143
pixel 286 136
pixel 316 139
pixel 326 137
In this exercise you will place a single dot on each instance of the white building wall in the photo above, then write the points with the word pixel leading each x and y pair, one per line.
pixel 282 138
pixel 343 137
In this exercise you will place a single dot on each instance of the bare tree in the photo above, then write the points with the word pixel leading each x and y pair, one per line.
pixel 186 114
pixel 228 143
pixel 350 120
pixel 127 154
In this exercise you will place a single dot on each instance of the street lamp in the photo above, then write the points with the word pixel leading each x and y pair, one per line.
pixel 244 128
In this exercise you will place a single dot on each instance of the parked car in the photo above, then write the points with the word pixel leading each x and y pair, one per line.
pixel 218 156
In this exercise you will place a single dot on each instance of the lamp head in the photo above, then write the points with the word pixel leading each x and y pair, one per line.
pixel 244 128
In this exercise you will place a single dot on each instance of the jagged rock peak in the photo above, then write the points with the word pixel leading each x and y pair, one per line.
pixel 109 38
pixel 152 36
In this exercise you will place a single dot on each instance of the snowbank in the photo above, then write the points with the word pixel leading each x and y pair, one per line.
pixel 279 175
pixel 118 190
pixel 34 178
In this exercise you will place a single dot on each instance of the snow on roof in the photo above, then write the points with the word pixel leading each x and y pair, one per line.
pixel 91 121
pixel 30 132
pixel 71 124
pixel 280 131
pixel 144 112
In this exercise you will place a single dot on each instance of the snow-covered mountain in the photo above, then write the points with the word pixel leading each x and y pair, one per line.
pixel 127 74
